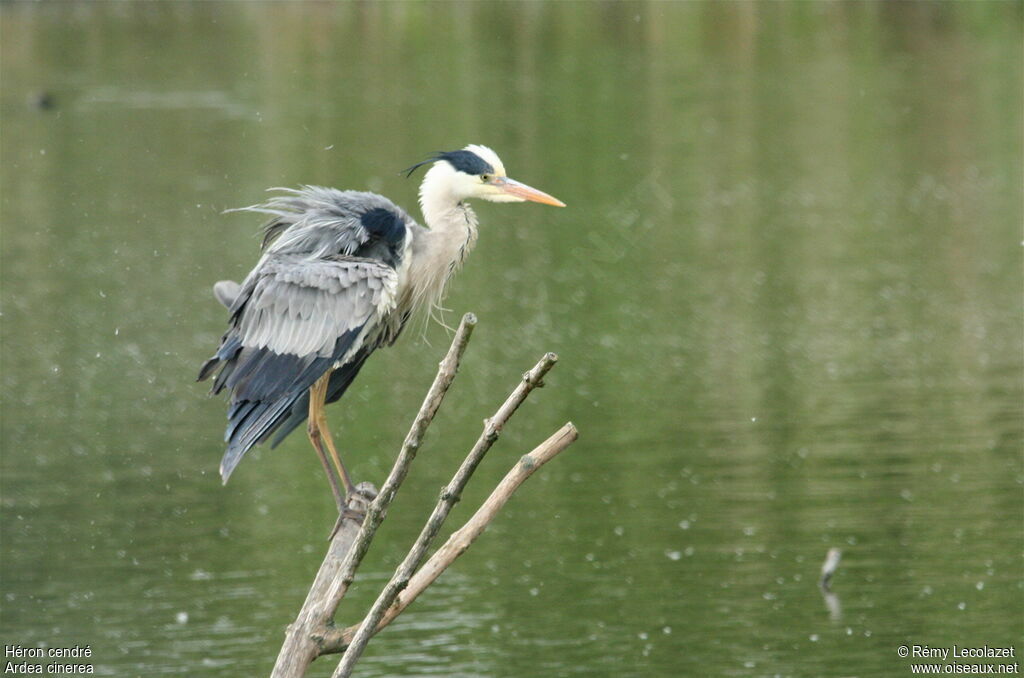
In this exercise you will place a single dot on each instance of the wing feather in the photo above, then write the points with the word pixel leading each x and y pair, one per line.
pixel 300 306
pixel 294 318
pixel 322 296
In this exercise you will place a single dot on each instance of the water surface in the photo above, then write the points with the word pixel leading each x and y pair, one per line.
pixel 786 294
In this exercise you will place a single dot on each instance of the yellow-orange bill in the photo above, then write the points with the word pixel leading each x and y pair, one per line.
pixel 521 190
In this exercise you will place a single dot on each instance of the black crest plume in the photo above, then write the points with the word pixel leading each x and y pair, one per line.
pixel 462 160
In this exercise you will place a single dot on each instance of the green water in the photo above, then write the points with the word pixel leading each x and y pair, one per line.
pixel 786 295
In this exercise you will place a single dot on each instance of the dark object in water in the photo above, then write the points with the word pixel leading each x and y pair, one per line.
pixel 42 101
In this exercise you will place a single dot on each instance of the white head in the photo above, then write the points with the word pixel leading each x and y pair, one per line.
pixel 474 172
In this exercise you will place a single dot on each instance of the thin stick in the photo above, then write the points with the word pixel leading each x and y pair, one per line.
pixel 375 514
pixel 302 642
pixel 449 497
pixel 338 640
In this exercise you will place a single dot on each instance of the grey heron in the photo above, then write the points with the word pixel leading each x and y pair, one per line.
pixel 341 272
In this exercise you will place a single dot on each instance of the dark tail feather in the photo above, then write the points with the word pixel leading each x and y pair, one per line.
pixel 299 414
pixel 238 415
pixel 248 427
pixel 208 367
pixel 341 379
pixel 229 348
pixel 229 461
pixel 265 398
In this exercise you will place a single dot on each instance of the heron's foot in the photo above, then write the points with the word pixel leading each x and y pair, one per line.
pixel 354 508
pixel 346 513
pixel 365 491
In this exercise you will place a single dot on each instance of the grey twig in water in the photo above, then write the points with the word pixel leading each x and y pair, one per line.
pixel 829 567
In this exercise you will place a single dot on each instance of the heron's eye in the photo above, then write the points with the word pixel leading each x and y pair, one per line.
pixel 485 178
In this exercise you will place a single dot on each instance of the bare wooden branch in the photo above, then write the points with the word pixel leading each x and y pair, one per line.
pixel 302 645
pixel 351 541
pixel 411 445
pixel 449 497
pixel 338 640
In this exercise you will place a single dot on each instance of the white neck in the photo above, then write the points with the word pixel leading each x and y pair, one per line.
pixel 441 197
pixel 451 233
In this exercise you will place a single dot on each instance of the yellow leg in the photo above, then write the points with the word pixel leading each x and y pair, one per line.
pixel 320 435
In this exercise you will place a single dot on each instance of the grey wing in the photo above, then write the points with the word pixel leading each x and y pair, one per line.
pixel 319 221
pixel 300 306
pixel 294 318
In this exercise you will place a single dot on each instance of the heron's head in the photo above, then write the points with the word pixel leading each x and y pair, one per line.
pixel 475 172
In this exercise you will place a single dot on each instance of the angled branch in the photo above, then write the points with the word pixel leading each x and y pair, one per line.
pixel 336 640
pixel 449 497
pixel 304 637
pixel 411 445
